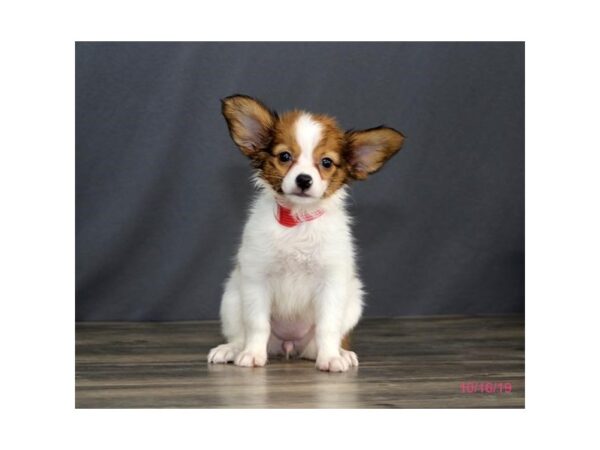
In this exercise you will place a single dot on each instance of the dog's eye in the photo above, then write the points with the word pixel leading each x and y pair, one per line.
pixel 326 162
pixel 285 157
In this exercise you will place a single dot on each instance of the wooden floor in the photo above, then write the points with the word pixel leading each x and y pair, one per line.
pixel 404 363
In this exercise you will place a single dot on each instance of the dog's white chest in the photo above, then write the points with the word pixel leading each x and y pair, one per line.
pixel 297 250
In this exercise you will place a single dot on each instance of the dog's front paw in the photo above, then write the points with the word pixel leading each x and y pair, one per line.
pixel 336 363
pixel 222 354
pixel 249 358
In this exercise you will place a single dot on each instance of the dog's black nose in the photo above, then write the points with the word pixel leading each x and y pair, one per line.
pixel 304 181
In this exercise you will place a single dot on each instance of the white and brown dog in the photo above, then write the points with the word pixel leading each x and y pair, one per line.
pixel 295 289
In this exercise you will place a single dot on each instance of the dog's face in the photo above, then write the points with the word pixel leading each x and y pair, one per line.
pixel 305 157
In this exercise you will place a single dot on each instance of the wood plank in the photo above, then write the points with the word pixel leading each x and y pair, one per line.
pixel 404 363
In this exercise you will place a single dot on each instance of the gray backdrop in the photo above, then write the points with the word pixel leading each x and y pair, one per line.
pixel 162 192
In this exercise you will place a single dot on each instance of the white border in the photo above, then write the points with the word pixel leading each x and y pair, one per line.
pixel 37 193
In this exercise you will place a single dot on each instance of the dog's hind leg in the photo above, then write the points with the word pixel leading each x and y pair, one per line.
pixel 232 323
pixel 353 313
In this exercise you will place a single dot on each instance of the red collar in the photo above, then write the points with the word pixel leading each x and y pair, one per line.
pixel 285 217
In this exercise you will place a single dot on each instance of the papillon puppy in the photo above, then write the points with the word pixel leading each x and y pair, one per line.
pixel 294 290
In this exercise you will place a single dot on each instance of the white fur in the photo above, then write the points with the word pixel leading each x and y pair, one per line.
pixel 294 284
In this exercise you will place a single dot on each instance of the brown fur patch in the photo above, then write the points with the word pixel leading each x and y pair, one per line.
pixel 346 342
pixel 331 146
pixel 283 140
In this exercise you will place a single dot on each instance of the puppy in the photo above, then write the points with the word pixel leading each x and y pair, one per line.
pixel 294 290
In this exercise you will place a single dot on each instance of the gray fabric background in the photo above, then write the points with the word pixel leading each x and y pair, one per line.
pixel 162 192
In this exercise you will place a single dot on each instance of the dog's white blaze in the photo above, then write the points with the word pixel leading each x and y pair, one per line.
pixel 308 134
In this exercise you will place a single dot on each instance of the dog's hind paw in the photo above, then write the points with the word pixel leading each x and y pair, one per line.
pixel 350 357
pixel 222 354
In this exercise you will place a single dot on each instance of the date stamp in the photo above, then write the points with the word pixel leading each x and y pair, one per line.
pixel 486 387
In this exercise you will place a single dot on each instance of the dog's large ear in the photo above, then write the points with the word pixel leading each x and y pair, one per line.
pixel 366 151
pixel 250 123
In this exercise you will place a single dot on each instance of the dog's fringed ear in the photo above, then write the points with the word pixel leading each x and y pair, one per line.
pixel 366 151
pixel 250 123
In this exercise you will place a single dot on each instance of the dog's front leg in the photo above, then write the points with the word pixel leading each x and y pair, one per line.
pixel 330 311
pixel 256 310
